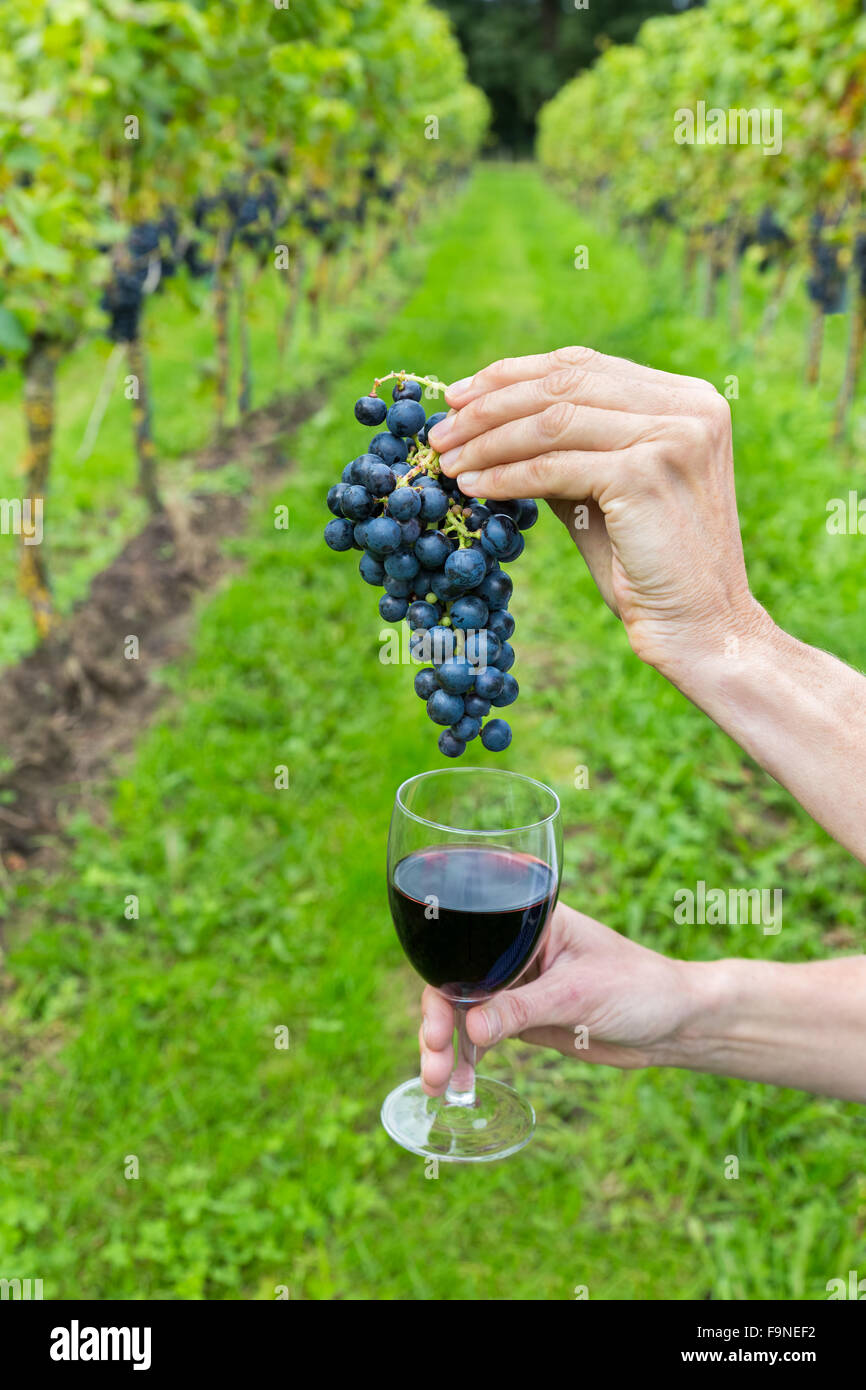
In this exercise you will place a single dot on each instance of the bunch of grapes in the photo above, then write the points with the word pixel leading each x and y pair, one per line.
pixel 123 297
pixel 826 284
pixel 438 555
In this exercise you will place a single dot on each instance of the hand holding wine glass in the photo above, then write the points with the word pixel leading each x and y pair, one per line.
pixel 632 1002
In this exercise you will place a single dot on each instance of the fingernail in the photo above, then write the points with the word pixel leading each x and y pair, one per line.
pixel 424 1028
pixel 458 387
pixel 466 481
pixel 493 1022
pixel 448 460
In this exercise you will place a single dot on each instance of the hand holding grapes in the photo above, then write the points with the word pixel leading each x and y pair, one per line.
pixel 647 457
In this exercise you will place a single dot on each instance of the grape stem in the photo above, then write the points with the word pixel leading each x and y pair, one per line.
pixel 408 376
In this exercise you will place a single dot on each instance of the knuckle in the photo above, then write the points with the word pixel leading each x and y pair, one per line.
pixel 494 479
pixel 694 434
pixel 572 357
pixel 555 420
pixel 717 410
pixel 537 474
pixel 567 382
pixel 480 411
pixel 498 369
pixel 520 1015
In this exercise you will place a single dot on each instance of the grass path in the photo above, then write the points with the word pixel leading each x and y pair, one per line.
pixel 153 1038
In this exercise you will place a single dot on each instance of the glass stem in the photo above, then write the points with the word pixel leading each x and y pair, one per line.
pixel 461 1087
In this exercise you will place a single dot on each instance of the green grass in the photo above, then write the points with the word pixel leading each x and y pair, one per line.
pixel 260 908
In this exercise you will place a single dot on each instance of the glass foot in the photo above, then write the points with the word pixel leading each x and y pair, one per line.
pixel 498 1124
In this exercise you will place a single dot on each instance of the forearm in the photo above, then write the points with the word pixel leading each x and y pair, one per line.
pixel 802 1026
pixel 801 714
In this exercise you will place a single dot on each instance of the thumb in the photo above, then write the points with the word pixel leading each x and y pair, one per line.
pixel 509 1013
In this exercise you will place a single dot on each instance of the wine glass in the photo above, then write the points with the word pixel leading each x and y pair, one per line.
pixel 474 865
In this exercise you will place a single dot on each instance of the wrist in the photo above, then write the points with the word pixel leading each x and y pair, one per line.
pixel 728 659
pixel 711 996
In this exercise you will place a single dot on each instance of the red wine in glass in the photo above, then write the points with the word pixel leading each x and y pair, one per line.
pixel 470 917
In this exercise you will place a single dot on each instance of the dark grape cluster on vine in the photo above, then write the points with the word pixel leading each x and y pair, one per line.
pixel 826 284
pixel 438 555
pixel 151 248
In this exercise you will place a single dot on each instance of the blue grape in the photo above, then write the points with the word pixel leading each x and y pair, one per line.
pixel 346 476
pixel 498 535
pixel 422 615
pixel 515 550
pixel 409 391
pixel 444 708
pixel 339 535
pixel 476 708
pixel 379 478
pixel 400 588
pixel 372 570
pixel 456 676
pixel 528 513
pixel 466 567
pixel 358 469
pixel 469 612
pixel 389 448
pixel 404 503
pixel 433 504
pixel 483 649
pixel 467 729
pixel 443 644
pixel 496 735
pixel 496 589
pixel 370 410
pixel 384 536
pixel 509 692
pixel 432 550
pixel 361 534
pixel 402 564
pixel 504 660
pixel 357 504
pixel 489 683
pixel 392 609
pixel 411 530
pixel 500 622
pixel 426 683
pixel 451 745
pixel 445 586
pixel 334 495
pixel 406 418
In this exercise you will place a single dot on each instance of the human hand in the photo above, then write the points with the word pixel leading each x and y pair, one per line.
pixel 649 453
pixel 633 1003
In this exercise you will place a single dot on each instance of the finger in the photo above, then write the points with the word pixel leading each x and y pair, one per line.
pixel 573 475
pixel 515 1010
pixel 572 385
pixel 436 1069
pixel 437 1028
pixel 562 426
pixel 510 370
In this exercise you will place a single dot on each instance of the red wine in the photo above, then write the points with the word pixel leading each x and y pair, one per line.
pixel 468 917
